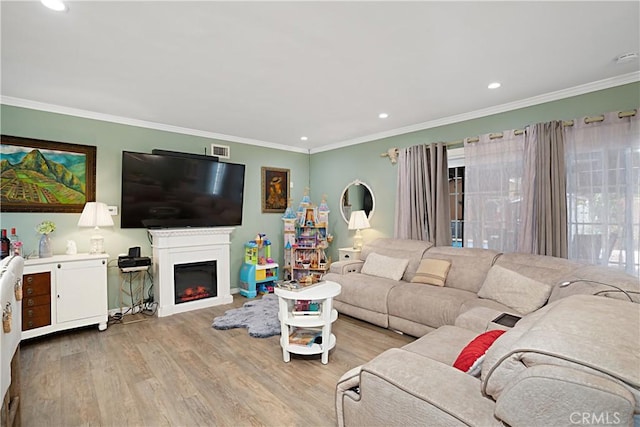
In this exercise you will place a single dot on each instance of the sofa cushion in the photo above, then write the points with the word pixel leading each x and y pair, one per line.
pixel 443 344
pixel 384 266
pixel 469 266
pixel 426 304
pixel 598 279
pixel 514 290
pixel 373 317
pixel 361 290
pixel 412 250
pixel 542 268
pixel 481 318
pixel 470 358
pixel 432 272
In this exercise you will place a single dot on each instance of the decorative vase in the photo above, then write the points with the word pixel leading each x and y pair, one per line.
pixel 44 250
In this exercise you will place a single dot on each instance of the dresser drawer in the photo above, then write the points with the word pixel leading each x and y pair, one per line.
pixel 38 320
pixel 36 284
pixel 35 312
pixel 30 302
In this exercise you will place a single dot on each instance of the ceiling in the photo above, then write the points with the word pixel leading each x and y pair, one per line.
pixel 268 73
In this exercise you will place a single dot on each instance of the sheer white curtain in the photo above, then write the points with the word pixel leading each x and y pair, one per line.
pixel 493 191
pixel 603 191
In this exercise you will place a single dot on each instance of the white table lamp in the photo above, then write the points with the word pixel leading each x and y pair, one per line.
pixel 96 215
pixel 358 221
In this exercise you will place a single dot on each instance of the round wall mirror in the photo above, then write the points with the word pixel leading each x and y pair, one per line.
pixel 357 196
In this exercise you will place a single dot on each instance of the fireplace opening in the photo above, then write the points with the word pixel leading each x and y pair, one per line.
pixel 194 281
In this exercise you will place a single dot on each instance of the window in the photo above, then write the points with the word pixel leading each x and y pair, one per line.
pixel 603 190
pixel 604 207
pixel 456 204
pixel 493 191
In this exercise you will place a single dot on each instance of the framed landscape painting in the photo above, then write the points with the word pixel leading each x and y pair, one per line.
pixel 275 189
pixel 46 176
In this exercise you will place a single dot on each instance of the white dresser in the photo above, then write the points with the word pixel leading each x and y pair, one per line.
pixel 64 292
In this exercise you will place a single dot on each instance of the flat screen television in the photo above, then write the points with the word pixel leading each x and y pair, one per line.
pixel 161 191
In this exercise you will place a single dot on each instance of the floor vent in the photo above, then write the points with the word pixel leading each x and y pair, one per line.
pixel 222 151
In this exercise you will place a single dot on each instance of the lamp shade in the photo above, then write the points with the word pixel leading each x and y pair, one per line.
pixel 95 214
pixel 358 221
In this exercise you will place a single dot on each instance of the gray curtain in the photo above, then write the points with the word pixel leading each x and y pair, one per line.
pixel 543 214
pixel 422 197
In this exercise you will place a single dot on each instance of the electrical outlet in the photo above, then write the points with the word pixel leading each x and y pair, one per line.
pixel 113 210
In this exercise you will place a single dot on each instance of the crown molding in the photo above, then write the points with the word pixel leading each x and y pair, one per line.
pixel 528 102
pixel 76 112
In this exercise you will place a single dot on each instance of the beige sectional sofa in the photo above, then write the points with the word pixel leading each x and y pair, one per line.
pixel 477 287
pixel 573 357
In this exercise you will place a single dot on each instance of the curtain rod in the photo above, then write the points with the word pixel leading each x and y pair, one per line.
pixel 587 120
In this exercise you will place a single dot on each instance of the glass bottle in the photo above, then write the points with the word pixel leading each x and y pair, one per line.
pixel 13 239
pixel 5 244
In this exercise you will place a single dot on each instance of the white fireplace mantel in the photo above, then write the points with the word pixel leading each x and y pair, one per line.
pixel 189 245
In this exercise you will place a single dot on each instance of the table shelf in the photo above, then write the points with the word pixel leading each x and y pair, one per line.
pixel 322 293
pixel 307 350
pixel 308 321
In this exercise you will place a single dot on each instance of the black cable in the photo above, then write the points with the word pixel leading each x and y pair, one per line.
pixel 131 291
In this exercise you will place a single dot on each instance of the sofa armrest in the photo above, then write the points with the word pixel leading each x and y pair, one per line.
pixel 554 395
pixel 348 386
pixel 400 387
pixel 344 267
pixel 479 319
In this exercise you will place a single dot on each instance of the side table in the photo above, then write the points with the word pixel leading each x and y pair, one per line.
pixel 348 254
pixel 323 294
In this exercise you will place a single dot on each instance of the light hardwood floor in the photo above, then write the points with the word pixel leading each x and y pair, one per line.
pixel 179 371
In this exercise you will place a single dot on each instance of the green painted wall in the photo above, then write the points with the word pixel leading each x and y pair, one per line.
pixel 332 170
pixel 326 173
pixel 111 139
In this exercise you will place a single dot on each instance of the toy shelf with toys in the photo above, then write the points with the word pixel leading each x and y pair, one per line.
pixel 306 237
pixel 259 272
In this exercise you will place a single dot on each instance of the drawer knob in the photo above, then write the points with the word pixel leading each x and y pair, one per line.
pixel 59 266
pixel 30 313
pixel 30 302
pixel 30 279
pixel 29 291
pixel 30 323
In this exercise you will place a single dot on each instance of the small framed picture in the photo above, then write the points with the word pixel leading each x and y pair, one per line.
pixel 275 189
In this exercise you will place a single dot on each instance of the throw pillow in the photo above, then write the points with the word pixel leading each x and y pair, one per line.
pixel 470 358
pixel 384 266
pixel 432 272
pixel 514 290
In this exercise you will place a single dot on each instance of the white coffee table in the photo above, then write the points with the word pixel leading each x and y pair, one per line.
pixel 322 293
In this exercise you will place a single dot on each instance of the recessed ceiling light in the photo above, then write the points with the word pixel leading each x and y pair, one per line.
pixel 383 115
pixel 303 138
pixel 626 57
pixel 494 85
pixel 56 5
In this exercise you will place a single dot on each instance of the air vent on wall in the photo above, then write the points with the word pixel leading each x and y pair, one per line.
pixel 222 151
